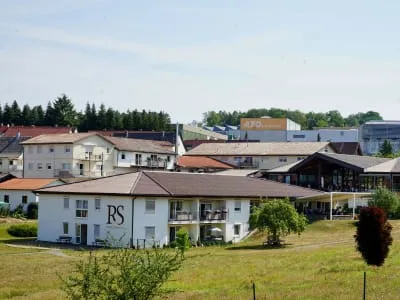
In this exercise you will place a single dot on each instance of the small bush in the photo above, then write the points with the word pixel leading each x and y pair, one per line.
pixel 23 230
pixel 4 211
pixel 18 212
pixel 32 211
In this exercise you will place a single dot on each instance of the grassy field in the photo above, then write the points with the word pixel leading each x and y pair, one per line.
pixel 321 263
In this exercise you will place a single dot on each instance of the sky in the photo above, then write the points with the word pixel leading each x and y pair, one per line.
pixel 189 57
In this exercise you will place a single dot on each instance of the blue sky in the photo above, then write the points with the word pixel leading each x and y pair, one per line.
pixel 189 57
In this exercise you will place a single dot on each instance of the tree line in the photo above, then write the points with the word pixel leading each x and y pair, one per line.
pixel 62 112
pixel 307 120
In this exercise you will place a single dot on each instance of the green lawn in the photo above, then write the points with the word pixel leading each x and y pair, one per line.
pixel 321 263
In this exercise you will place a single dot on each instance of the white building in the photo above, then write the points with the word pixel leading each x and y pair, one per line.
pixel 260 155
pixel 19 191
pixel 90 155
pixel 141 154
pixel 140 208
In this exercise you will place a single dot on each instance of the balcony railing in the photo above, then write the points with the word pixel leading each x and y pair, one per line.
pixel 183 215
pixel 214 215
pixel 90 156
pixel 79 173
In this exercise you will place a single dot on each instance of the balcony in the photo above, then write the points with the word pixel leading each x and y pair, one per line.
pixel 217 215
pixel 90 156
pixel 183 216
pixel 78 173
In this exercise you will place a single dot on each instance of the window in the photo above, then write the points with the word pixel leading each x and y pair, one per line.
pixel 30 166
pixel 138 159
pixel 66 202
pixel 99 167
pixel 108 150
pixel 51 149
pixel 11 162
pixel 65 228
pixel 150 232
pixel 236 229
pixel 238 205
pixel 78 233
pixel 282 159
pixel 1 162
pixel 81 209
pixel 6 198
pixel 39 166
pixel 67 149
pixel 24 199
pixel 96 230
pixel 168 158
pixel 30 149
pixel 299 136
pixel 122 155
pixel 150 206
pixel 88 154
pixel 66 166
pixel 97 203
pixel 153 157
pixel 48 166
pixel 39 149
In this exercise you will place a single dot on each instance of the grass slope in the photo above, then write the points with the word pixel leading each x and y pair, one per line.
pixel 321 263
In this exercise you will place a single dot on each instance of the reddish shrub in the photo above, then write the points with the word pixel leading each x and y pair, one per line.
pixel 373 235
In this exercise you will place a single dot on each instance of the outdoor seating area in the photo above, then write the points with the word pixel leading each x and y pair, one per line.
pixel 64 239
pixel 210 215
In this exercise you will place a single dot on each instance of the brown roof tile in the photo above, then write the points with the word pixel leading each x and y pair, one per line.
pixel 26 183
pixel 266 148
pixel 201 162
pixel 33 130
pixel 63 138
pixel 183 185
pixel 138 145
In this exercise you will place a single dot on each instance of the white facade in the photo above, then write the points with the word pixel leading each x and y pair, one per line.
pixel 17 197
pixel 139 221
pixel 90 157
pixel 126 159
pixel 14 164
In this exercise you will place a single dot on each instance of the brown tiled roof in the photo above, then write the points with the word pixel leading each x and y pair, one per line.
pixel 169 184
pixel 270 148
pixel 33 130
pixel 26 183
pixel 137 145
pixel 201 162
pixel 63 138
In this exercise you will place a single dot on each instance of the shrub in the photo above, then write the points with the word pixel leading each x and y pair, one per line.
pixel 4 211
pixel 18 212
pixel 385 199
pixel 182 240
pixel 32 210
pixel 23 230
pixel 373 235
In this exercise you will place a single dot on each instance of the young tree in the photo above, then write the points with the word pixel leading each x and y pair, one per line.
pixel 182 240
pixel 122 274
pixel 373 235
pixel 386 150
pixel 385 199
pixel 279 218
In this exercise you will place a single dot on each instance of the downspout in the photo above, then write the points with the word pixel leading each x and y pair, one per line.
pixel 132 212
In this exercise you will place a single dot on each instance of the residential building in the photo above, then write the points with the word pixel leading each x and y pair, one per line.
pixel 146 208
pixel 373 134
pixel 11 154
pixel 68 155
pixel 135 153
pixel 260 155
pixel 200 164
pixel 19 191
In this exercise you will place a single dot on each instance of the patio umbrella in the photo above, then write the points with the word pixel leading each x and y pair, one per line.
pixel 215 231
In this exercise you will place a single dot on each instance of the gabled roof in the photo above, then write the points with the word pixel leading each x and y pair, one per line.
pixel 266 148
pixel 201 162
pixel 355 162
pixel 391 166
pixel 170 184
pixel 62 138
pixel 138 145
pixel 10 146
pixel 284 168
pixel 352 148
pixel 32 131
pixel 26 183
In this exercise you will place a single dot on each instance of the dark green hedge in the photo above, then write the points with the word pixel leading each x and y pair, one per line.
pixel 23 230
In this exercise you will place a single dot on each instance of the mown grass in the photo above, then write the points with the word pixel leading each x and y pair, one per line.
pixel 321 263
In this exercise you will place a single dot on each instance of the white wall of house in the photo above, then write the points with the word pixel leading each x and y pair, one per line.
pixel 127 159
pixel 149 215
pixel 57 160
pixel 16 197
pixel 11 165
